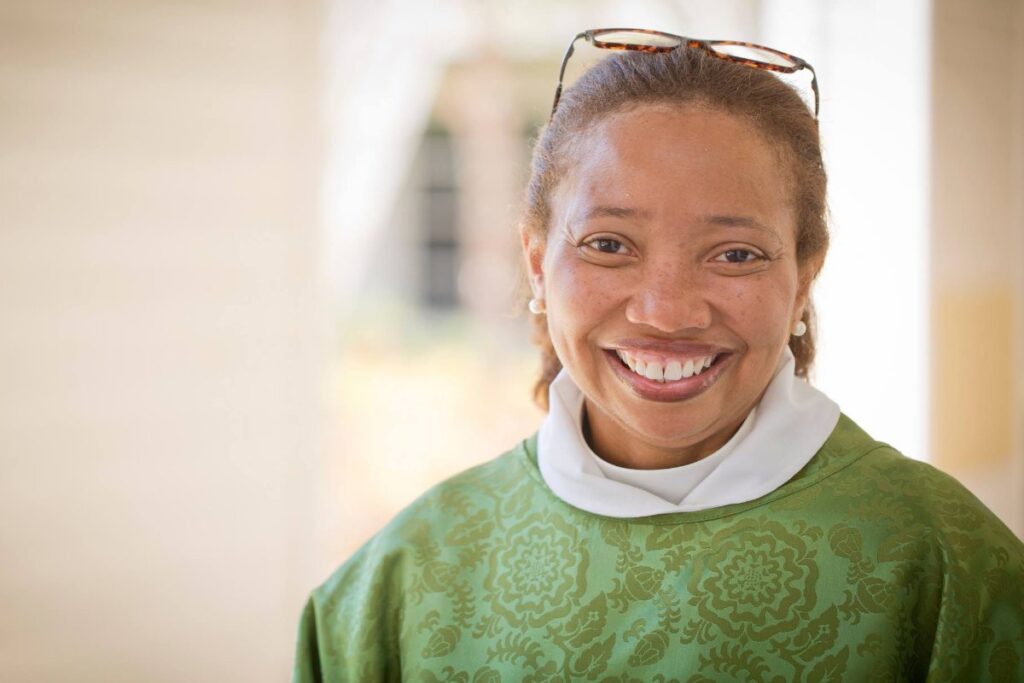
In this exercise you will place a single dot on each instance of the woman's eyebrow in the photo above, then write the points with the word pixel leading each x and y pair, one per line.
pixel 741 222
pixel 737 221
pixel 603 211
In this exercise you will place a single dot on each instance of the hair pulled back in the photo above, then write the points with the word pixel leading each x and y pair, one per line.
pixel 685 76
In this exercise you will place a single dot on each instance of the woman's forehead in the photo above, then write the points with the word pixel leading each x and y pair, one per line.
pixel 666 139
pixel 676 161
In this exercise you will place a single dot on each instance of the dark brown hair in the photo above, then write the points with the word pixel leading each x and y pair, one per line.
pixel 684 77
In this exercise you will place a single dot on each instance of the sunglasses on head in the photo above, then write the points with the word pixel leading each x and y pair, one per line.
pixel 647 40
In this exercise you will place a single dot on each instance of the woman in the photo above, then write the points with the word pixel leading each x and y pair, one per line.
pixel 690 509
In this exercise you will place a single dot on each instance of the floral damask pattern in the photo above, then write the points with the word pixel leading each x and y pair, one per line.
pixel 864 566
pixel 539 573
pixel 755 580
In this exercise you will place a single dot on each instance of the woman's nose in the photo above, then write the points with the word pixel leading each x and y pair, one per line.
pixel 671 301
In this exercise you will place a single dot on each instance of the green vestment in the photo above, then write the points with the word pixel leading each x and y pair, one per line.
pixel 865 566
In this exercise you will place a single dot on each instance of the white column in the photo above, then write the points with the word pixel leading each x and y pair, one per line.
pixel 872 59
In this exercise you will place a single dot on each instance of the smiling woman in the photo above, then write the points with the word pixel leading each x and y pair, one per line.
pixel 691 508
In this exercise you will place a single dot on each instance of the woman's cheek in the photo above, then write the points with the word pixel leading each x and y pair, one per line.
pixel 583 288
pixel 756 309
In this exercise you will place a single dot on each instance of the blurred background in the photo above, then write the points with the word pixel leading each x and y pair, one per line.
pixel 258 284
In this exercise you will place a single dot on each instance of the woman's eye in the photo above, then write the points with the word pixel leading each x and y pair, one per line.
pixel 605 245
pixel 738 256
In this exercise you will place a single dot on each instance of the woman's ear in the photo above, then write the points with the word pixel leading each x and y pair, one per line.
pixel 533 254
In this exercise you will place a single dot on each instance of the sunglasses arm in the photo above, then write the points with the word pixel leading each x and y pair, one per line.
pixel 814 87
pixel 561 71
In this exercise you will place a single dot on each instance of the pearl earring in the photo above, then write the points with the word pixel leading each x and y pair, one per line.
pixel 536 306
pixel 800 329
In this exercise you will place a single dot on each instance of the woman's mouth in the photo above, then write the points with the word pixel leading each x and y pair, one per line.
pixel 666 370
pixel 667 378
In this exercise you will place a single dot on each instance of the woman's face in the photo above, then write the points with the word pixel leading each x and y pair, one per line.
pixel 670 279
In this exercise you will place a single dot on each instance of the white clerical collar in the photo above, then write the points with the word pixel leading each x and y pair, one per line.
pixel 779 436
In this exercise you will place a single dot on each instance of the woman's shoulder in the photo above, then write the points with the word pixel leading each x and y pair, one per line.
pixel 350 623
pixel 452 512
pixel 922 531
pixel 885 482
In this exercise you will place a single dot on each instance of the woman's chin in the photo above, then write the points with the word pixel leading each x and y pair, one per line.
pixel 656 429
pixel 681 437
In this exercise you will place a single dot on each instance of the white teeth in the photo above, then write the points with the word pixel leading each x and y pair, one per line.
pixel 653 371
pixel 673 371
pixel 701 364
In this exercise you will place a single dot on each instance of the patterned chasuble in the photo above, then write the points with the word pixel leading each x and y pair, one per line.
pixel 865 566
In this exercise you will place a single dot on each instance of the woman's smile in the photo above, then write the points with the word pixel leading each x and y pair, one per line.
pixel 667 370
pixel 677 379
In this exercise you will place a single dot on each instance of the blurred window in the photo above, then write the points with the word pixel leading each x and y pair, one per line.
pixel 438 218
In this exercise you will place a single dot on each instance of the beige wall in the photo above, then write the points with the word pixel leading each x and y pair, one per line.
pixel 978 249
pixel 160 337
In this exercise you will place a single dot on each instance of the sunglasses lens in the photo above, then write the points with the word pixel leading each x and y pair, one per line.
pixel 636 38
pixel 752 52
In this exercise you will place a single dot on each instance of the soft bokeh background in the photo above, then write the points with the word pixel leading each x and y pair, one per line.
pixel 258 284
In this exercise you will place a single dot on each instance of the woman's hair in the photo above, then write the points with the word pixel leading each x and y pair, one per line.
pixel 685 76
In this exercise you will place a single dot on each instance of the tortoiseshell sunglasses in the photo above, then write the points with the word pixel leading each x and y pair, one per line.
pixel 647 40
